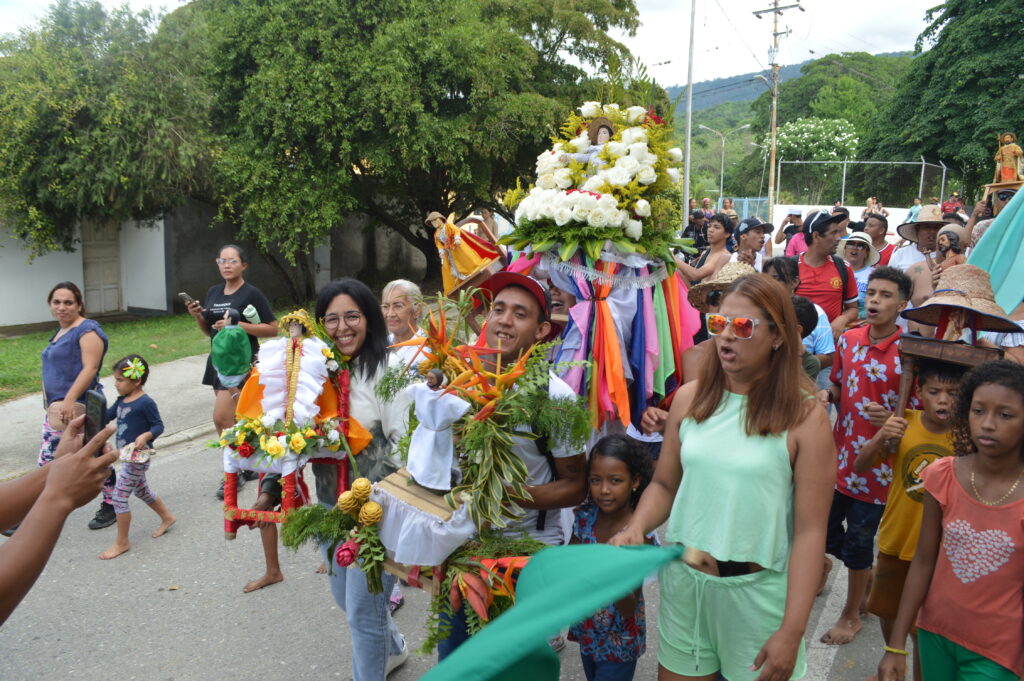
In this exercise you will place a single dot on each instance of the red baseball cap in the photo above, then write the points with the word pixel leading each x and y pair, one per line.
pixel 504 279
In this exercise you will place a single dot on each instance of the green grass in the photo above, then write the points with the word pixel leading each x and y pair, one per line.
pixel 159 339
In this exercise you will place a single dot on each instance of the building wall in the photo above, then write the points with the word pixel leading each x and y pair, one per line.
pixel 24 285
pixel 373 254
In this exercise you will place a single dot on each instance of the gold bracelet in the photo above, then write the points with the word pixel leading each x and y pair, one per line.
pixel 895 651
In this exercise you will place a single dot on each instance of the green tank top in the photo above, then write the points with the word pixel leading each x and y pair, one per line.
pixel 735 500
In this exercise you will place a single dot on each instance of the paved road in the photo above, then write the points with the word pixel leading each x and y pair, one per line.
pixel 173 609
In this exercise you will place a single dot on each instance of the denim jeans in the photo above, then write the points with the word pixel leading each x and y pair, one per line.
pixel 457 634
pixel 374 634
pixel 607 671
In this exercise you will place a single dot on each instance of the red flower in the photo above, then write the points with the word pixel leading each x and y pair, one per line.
pixel 245 450
pixel 346 554
pixel 653 117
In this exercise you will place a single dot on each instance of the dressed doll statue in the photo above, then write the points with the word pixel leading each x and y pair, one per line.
pixel 1008 159
pixel 600 131
pixel 432 448
pixel 463 254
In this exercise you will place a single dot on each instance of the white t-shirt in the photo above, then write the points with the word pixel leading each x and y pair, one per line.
pixel 903 258
pixel 539 473
pixel 758 260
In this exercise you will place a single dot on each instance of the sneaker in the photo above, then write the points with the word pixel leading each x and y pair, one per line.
pixel 396 599
pixel 398 659
pixel 557 643
pixel 105 517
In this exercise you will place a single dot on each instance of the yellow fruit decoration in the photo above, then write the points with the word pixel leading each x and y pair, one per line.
pixel 361 488
pixel 348 502
pixel 370 513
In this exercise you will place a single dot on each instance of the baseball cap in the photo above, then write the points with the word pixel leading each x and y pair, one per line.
pixel 820 218
pixel 504 279
pixel 794 211
pixel 750 223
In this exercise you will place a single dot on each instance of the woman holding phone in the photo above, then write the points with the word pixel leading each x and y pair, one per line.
pixel 257 321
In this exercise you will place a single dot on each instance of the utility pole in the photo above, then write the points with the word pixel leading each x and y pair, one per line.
pixel 773 55
pixel 689 117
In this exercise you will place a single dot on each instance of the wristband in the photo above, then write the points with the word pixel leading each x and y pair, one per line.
pixel 895 651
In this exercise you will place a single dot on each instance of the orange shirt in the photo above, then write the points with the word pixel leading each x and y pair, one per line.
pixel 976 597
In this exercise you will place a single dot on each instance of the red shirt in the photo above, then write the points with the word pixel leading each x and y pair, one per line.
pixel 824 286
pixel 885 253
pixel 864 373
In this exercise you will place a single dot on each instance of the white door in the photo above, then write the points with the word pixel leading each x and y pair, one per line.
pixel 322 265
pixel 101 264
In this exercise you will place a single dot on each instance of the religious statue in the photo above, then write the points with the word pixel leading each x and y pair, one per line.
pixel 1008 159
pixel 600 131
pixel 463 254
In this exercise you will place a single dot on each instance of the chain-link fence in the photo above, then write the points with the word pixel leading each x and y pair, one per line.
pixel 895 183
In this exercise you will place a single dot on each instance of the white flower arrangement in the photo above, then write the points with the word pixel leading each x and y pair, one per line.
pixel 635 114
pixel 594 209
pixel 591 109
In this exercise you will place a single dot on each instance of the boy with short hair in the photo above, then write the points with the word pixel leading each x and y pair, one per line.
pixel 923 437
pixel 866 369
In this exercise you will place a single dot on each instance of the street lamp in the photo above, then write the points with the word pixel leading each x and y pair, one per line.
pixel 721 176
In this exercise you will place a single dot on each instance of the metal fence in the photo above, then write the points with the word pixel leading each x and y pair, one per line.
pixel 852 182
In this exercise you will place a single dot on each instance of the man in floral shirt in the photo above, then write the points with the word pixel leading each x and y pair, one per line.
pixel 866 370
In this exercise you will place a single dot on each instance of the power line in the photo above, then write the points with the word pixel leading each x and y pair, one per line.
pixel 740 35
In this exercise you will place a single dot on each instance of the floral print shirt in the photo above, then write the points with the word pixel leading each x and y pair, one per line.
pixel 865 373
pixel 607 636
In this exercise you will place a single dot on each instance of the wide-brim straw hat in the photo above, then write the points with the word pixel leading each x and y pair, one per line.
pixel 431 216
pixel 930 216
pixel 862 238
pixel 730 272
pixel 596 124
pixel 964 287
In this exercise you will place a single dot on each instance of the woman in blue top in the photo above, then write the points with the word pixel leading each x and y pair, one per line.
pixel 71 365
pixel 744 480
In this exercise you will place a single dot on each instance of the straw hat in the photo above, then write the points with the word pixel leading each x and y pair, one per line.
pixel 595 125
pixel 431 216
pixel 964 287
pixel 862 238
pixel 730 272
pixel 930 216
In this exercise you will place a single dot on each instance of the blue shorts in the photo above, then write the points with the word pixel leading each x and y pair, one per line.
pixel 853 544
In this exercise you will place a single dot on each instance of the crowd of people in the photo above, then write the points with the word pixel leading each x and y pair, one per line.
pixel 797 366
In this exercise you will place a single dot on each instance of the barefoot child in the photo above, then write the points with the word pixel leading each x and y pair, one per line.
pixel 924 437
pixel 614 638
pixel 866 370
pixel 138 425
pixel 966 574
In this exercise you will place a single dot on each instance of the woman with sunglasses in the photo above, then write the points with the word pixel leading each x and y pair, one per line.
pixel 751 514
pixel 352 316
pixel 257 321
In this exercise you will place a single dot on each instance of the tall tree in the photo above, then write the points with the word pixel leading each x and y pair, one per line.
pixel 960 93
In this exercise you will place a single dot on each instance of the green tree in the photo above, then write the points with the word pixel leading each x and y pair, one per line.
pixel 960 93
pixel 815 139
pixel 389 108
pixel 847 99
pixel 100 119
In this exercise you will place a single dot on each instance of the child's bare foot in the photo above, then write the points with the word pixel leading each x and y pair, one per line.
pixel 115 551
pixel 164 526
pixel 843 632
pixel 825 572
pixel 266 580
pixel 322 570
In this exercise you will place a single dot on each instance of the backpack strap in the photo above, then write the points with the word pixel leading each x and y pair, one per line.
pixel 844 275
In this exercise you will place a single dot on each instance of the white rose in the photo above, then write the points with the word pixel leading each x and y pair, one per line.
pixel 638 150
pixel 642 208
pixel 598 218
pixel 580 143
pixel 562 215
pixel 580 214
pixel 646 175
pixel 563 178
pixel 590 109
pixel 634 229
pixel 673 175
pixel 607 202
pixel 618 218
pixel 615 149
pixel 610 109
pixel 332 365
pixel 267 420
pixel 633 135
pixel 635 114
pixel 628 163
pixel 619 177
pixel 594 184
pixel 546 181
pixel 332 435
pixel 675 154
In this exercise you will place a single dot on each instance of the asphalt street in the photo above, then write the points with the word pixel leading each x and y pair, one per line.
pixel 173 609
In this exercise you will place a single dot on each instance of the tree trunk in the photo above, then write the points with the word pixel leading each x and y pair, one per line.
pixel 308 282
pixel 294 293
pixel 423 242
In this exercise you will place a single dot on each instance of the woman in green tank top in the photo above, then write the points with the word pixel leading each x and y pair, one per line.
pixel 751 508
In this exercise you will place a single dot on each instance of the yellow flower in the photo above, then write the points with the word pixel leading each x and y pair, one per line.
pixel 310 432
pixel 257 428
pixel 240 439
pixel 370 513
pixel 223 443
pixel 348 502
pixel 297 442
pixel 327 353
pixel 361 488
pixel 273 447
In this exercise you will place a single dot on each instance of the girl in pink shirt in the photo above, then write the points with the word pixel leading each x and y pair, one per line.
pixel 966 577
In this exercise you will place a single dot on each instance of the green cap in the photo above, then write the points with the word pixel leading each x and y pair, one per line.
pixel 231 353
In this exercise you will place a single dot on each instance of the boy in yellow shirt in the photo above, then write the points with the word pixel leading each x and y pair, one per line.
pixel 923 437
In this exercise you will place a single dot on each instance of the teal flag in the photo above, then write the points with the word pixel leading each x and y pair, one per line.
pixel 560 586
pixel 1001 253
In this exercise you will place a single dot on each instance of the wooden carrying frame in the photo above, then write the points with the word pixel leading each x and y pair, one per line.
pixel 914 348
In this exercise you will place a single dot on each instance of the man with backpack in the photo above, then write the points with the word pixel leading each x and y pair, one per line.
pixel 825 278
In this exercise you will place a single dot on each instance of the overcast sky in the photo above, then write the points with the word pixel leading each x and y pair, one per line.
pixel 729 40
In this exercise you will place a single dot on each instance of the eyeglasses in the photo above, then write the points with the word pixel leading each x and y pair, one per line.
pixel 352 318
pixel 856 244
pixel 1006 194
pixel 226 261
pixel 742 327
pixel 393 307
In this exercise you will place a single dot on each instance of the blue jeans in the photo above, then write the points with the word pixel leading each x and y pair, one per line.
pixel 854 544
pixel 374 634
pixel 457 635
pixel 597 670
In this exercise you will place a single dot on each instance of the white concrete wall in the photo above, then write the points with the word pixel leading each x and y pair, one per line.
pixel 897 216
pixel 24 285
pixel 143 265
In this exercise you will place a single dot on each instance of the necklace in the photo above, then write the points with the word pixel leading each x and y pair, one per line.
pixel 875 339
pixel 1000 499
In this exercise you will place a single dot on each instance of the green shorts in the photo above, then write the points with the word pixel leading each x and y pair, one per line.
pixel 943 660
pixel 708 624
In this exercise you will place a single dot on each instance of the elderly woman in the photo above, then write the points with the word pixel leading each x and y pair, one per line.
pixel 403 308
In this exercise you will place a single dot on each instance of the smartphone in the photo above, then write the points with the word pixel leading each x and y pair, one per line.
pixel 186 298
pixel 95 415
